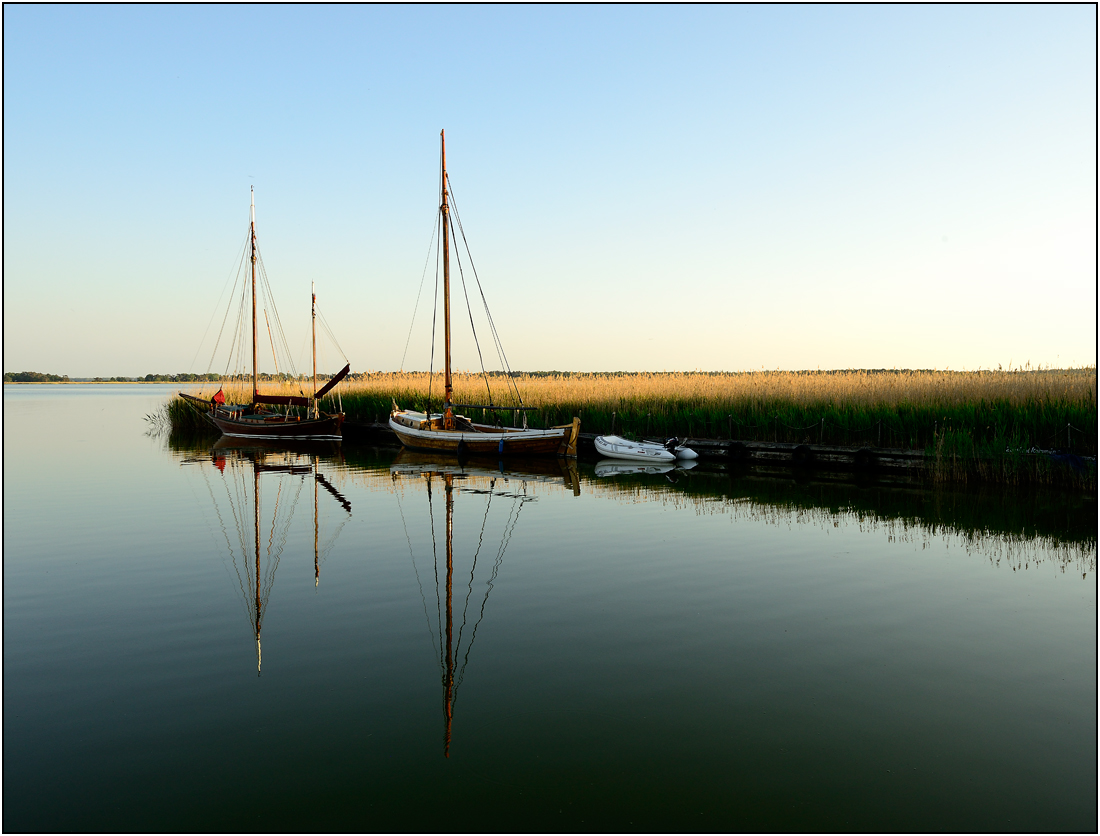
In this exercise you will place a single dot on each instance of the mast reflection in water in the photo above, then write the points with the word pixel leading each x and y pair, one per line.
pixel 254 544
pixel 474 481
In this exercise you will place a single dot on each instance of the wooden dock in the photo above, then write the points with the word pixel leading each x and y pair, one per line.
pixel 794 455
pixel 720 450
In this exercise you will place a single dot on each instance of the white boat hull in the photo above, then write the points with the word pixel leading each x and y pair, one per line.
pixel 418 431
pixel 615 447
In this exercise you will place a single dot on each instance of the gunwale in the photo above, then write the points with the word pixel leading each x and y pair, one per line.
pixel 326 428
pixel 482 438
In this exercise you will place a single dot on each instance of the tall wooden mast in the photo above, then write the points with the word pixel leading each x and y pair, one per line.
pixel 252 227
pixel 313 310
pixel 448 416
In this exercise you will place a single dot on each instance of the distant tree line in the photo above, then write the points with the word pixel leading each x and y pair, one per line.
pixel 182 377
pixel 34 377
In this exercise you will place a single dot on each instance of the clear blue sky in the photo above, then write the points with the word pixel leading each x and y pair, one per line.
pixel 643 188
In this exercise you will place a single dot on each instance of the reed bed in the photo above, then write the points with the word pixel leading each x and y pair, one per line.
pixel 955 416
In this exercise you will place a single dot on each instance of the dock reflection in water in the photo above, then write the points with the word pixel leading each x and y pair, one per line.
pixel 1016 528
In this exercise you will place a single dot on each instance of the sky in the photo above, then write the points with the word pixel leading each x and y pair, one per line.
pixel 643 188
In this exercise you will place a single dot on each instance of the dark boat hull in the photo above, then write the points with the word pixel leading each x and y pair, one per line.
pixel 270 428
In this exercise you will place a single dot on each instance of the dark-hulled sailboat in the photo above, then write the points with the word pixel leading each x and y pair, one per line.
pixel 255 421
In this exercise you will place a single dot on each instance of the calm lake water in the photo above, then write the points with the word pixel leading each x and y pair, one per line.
pixel 232 639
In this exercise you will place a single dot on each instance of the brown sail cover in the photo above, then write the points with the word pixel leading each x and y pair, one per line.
pixel 287 400
pixel 340 376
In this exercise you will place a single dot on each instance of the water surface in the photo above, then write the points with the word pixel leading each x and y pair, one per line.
pixel 681 651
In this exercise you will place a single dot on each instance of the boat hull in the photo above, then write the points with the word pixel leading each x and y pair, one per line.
pixel 484 440
pixel 615 447
pixel 619 467
pixel 326 428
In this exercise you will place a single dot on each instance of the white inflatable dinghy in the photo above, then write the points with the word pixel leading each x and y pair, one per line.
pixel 615 447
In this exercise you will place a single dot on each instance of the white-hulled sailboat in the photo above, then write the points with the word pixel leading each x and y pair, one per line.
pixel 451 432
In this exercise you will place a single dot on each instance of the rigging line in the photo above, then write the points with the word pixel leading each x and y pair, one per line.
pixel 225 533
pixel 269 299
pixel 272 341
pixel 275 310
pixel 416 571
pixel 492 325
pixel 243 334
pixel 221 331
pixel 288 518
pixel 302 354
pixel 489 585
pixel 274 517
pixel 423 274
pixel 195 496
pixel 473 568
pixel 237 331
pixel 435 560
pixel 273 562
pixel 262 303
pixel 470 313
pixel 331 335
pixel 331 542
pixel 217 306
pixel 243 526
pixel 435 311
pixel 244 599
pixel 235 360
pixel 238 519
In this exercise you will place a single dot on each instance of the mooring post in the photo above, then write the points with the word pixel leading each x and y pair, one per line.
pixel 612 423
pixel 821 435
pixel 879 432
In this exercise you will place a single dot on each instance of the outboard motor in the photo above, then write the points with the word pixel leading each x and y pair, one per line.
pixel 671 444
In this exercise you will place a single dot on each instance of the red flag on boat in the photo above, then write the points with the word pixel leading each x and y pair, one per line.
pixel 219 397
pixel 219 463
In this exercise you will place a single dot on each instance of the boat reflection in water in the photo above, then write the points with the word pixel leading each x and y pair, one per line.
pixel 509 484
pixel 620 467
pixel 234 484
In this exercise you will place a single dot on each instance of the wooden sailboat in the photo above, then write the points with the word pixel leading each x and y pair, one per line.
pixel 255 420
pixel 450 432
